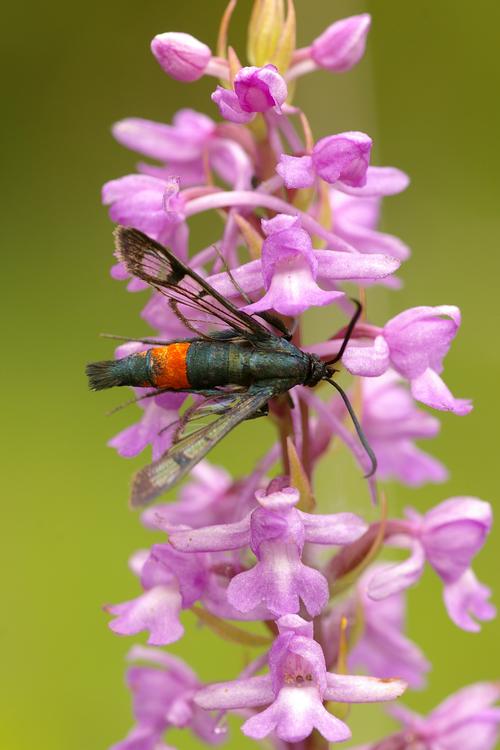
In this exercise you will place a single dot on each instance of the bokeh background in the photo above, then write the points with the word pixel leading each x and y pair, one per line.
pixel 428 93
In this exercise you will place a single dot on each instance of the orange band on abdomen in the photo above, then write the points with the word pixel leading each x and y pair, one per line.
pixel 169 365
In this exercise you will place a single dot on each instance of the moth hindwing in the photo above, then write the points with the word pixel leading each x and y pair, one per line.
pixel 180 458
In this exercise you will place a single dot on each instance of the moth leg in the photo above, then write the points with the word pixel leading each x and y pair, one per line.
pixel 137 399
pixel 159 391
pixel 281 388
pixel 277 323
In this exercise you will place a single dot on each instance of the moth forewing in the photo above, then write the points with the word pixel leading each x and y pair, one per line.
pixel 158 266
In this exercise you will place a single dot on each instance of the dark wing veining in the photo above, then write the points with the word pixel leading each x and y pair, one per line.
pixel 185 289
pixel 185 453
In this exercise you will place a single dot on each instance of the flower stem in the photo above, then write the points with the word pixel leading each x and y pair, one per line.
pixel 249 199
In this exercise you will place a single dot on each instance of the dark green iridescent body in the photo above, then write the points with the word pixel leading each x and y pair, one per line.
pixel 212 364
pixel 133 370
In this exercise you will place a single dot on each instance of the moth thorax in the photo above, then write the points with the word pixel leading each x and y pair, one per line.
pixel 318 370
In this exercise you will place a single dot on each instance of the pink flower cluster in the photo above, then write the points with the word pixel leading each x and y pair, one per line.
pixel 300 220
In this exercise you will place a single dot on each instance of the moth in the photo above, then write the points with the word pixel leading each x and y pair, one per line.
pixel 237 370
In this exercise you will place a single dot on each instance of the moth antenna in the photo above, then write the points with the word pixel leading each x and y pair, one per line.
pixel 348 333
pixel 359 430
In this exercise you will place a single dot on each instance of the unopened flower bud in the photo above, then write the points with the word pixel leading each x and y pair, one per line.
pixel 180 55
pixel 342 45
pixel 264 31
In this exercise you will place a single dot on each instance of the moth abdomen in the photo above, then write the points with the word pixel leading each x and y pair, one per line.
pixel 159 367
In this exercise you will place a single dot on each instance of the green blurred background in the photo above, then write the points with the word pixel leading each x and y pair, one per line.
pixel 428 93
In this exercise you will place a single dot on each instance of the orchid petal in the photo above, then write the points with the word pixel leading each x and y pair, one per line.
pixel 421 337
pixel 453 533
pixel 279 583
pixel 464 704
pixel 296 171
pixel 338 528
pixel 229 106
pixel 393 578
pixel 467 599
pixel 293 716
pixel 356 221
pixel 478 733
pixel 355 689
pixel 165 142
pixel 213 538
pixel 132 183
pixel 156 611
pixel 292 291
pixel 379 181
pixel 400 459
pixel 369 361
pixel 431 390
pixel 242 693
pixel 248 277
pixel 334 265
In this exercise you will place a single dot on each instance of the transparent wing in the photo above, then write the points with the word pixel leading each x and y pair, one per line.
pixel 185 289
pixel 185 453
